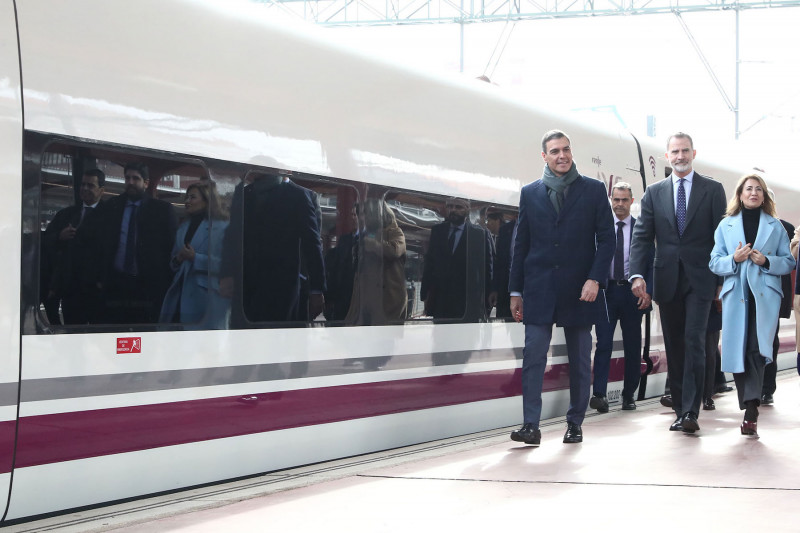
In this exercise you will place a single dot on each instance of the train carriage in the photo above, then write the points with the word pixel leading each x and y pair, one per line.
pixel 98 412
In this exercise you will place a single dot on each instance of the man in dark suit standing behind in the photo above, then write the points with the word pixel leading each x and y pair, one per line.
pixel 341 264
pixel 70 241
pixel 562 251
pixel 622 306
pixel 680 215
pixel 137 234
pixel 457 273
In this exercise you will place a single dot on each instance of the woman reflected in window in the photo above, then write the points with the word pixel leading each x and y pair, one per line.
pixel 193 298
pixel 379 292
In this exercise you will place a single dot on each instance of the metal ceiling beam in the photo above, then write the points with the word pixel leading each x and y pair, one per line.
pixel 398 12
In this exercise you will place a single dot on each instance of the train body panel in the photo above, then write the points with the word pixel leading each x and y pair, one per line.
pixel 10 234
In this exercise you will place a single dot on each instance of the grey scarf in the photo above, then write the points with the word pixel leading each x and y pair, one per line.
pixel 557 185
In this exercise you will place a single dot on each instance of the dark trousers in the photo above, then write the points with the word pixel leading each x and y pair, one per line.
pixel 750 382
pixel 534 362
pixel 622 306
pixel 712 353
pixel 129 300
pixel 85 306
pixel 771 370
pixel 683 321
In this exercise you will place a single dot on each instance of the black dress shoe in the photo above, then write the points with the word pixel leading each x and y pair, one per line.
pixel 689 423
pixel 677 425
pixel 708 404
pixel 628 404
pixel 666 400
pixel 528 433
pixel 574 434
pixel 723 388
pixel 600 403
pixel 767 399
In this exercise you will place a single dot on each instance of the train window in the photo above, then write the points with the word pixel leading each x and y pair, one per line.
pixel 372 260
pixel 448 257
pixel 500 223
pixel 273 256
pixel 108 222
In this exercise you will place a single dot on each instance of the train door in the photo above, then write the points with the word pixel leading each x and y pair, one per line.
pixel 10 237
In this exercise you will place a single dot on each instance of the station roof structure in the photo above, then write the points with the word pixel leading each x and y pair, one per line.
pixel 397 12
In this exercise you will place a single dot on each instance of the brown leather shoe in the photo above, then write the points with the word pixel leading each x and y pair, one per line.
pixel 750 428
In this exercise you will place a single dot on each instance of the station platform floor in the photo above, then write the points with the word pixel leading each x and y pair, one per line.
pixel 630 473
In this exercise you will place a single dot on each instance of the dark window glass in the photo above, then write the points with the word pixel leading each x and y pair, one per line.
pixel 108 220
pixel 273 258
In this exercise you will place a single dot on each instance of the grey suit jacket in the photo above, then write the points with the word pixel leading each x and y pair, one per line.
pixel 656 226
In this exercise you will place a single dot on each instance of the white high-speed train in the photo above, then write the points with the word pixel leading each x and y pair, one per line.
pixel 212 89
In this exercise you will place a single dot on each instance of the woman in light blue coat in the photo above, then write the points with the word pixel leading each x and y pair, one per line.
pixel 751 253
pixel 193 298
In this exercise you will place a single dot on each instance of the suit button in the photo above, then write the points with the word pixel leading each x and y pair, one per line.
pixel 556 267
pixel 556 245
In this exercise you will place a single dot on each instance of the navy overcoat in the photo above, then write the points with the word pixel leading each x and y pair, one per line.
pixel 554 254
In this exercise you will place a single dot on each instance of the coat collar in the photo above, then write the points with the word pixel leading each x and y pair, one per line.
pixel 766 225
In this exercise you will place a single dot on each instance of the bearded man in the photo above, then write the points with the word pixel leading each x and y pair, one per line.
pixel 458 267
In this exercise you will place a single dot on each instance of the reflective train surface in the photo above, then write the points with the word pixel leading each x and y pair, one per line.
pixel 100 411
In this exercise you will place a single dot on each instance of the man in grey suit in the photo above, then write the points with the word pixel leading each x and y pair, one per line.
pixel 562 250
pixel 680 215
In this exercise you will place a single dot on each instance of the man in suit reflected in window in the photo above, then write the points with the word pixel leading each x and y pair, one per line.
pixel 457 273
pixel 137 233
pixel 70 240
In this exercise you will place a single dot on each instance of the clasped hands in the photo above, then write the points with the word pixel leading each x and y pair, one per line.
pixel 745 252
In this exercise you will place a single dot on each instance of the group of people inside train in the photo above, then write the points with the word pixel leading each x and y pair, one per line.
pixel 259 259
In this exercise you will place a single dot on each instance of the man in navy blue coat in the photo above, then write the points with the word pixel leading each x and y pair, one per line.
pixel 562 252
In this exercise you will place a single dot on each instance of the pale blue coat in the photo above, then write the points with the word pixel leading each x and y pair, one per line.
pixel 764 283
pixel 196 283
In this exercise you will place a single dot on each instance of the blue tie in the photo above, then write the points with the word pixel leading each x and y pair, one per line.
pixel 619 254
pixel 451 241
pixel 130 245
pixel 680 209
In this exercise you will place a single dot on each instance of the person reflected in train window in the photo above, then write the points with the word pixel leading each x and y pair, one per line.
pixel 193 298
pixel 713 329
pixel 562 252
pixel 457 271
pixel 137 233
pixel 70 239
pixel 681 214
pixel 502 264
pixel 273 222
pixel 379 294
pixel 341 263
pixel 751 253
pixel 494 221
pixel 771 370
pixel 622 306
